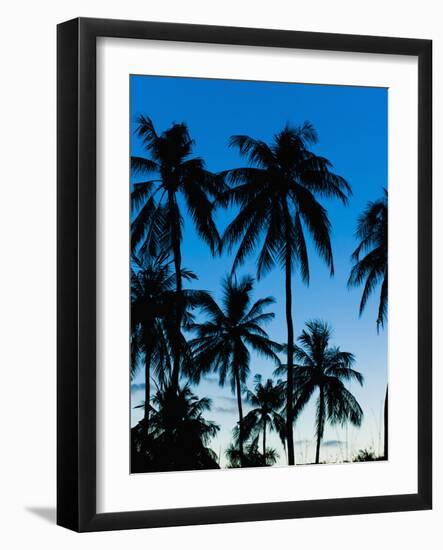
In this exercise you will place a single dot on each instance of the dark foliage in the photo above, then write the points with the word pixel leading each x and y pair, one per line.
pixel 325 369
pixel 252 458
pixel 223 341
pixel 277 194
pixel 277 197
pixel 371 256
pixel 267 401
pixel 157 218
pixel 366 455
pixel 178 435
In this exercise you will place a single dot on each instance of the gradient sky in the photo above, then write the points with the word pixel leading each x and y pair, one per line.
pixel 352 126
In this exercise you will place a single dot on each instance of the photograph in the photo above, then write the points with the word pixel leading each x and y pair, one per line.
pixel 258 274
pixel 215 348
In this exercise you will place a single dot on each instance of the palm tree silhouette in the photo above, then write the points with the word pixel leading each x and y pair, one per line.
pixel 151 282
pixel 223 340
pixel 324 368
pixel 251 457
pixel 267 400
pixel 276 195
pixel 153 304
pixel 179 434
pixel 372 269
pixel 158 221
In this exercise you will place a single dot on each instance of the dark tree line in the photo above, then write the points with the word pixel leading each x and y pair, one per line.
pixel 277 196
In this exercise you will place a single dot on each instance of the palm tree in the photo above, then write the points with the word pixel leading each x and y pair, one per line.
pixel 372 269
pixel 151 282
pixel 324 368
pixel 277 199
pixel 267 400
pixel 223 340
pixel 179 434
pixel 153 303
pixel 157 221
pixel 252 456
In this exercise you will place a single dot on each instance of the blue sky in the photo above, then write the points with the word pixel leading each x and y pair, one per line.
pixel 352 126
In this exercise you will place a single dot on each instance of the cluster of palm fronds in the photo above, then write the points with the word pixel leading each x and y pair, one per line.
pixel 276 197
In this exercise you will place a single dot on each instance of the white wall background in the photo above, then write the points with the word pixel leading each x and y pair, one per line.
pixel 27 273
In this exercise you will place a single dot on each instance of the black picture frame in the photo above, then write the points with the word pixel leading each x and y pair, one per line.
pixel 76 296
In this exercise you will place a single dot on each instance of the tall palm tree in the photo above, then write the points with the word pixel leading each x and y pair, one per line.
pixel 267 400
pixel 324 368
pixel 153 304
pixel 371 256
pixel 372 268
pixel 176 177
pixel 223 340
pixel 277 198
pixel 180 436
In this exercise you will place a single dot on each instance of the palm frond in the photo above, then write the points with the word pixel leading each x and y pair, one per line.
pixel 141 166
pixel 201 209
pixel 317 222
pixel 272 245
pixel 302 252
pixel 372 231
pixel 383 303
pixel 257 152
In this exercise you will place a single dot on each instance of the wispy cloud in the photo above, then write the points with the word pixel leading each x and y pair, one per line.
pixel 326 443
pixel 224 404
pixel 137 387
pixel 302 442
pixel 227 399
pixel 227 410
pixel 332 443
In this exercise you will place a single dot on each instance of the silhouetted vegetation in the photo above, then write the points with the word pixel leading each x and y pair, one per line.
pixel 372 268
pixel 366 455
pixel 178 436
pixel 268 401
pixel 277 194
pixel 179 335
pixel 158 222
pixel 252 458
pixel 325 369
pixel 223 342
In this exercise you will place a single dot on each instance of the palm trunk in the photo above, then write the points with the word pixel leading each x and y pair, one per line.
pixel 240 416
pixel 290 381
pixel 147 389
pixel 386 428
pixel 178 278
pixel 264 441
pixel 321 423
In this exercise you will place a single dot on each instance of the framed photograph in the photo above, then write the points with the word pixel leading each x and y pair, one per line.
pixel 231 343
